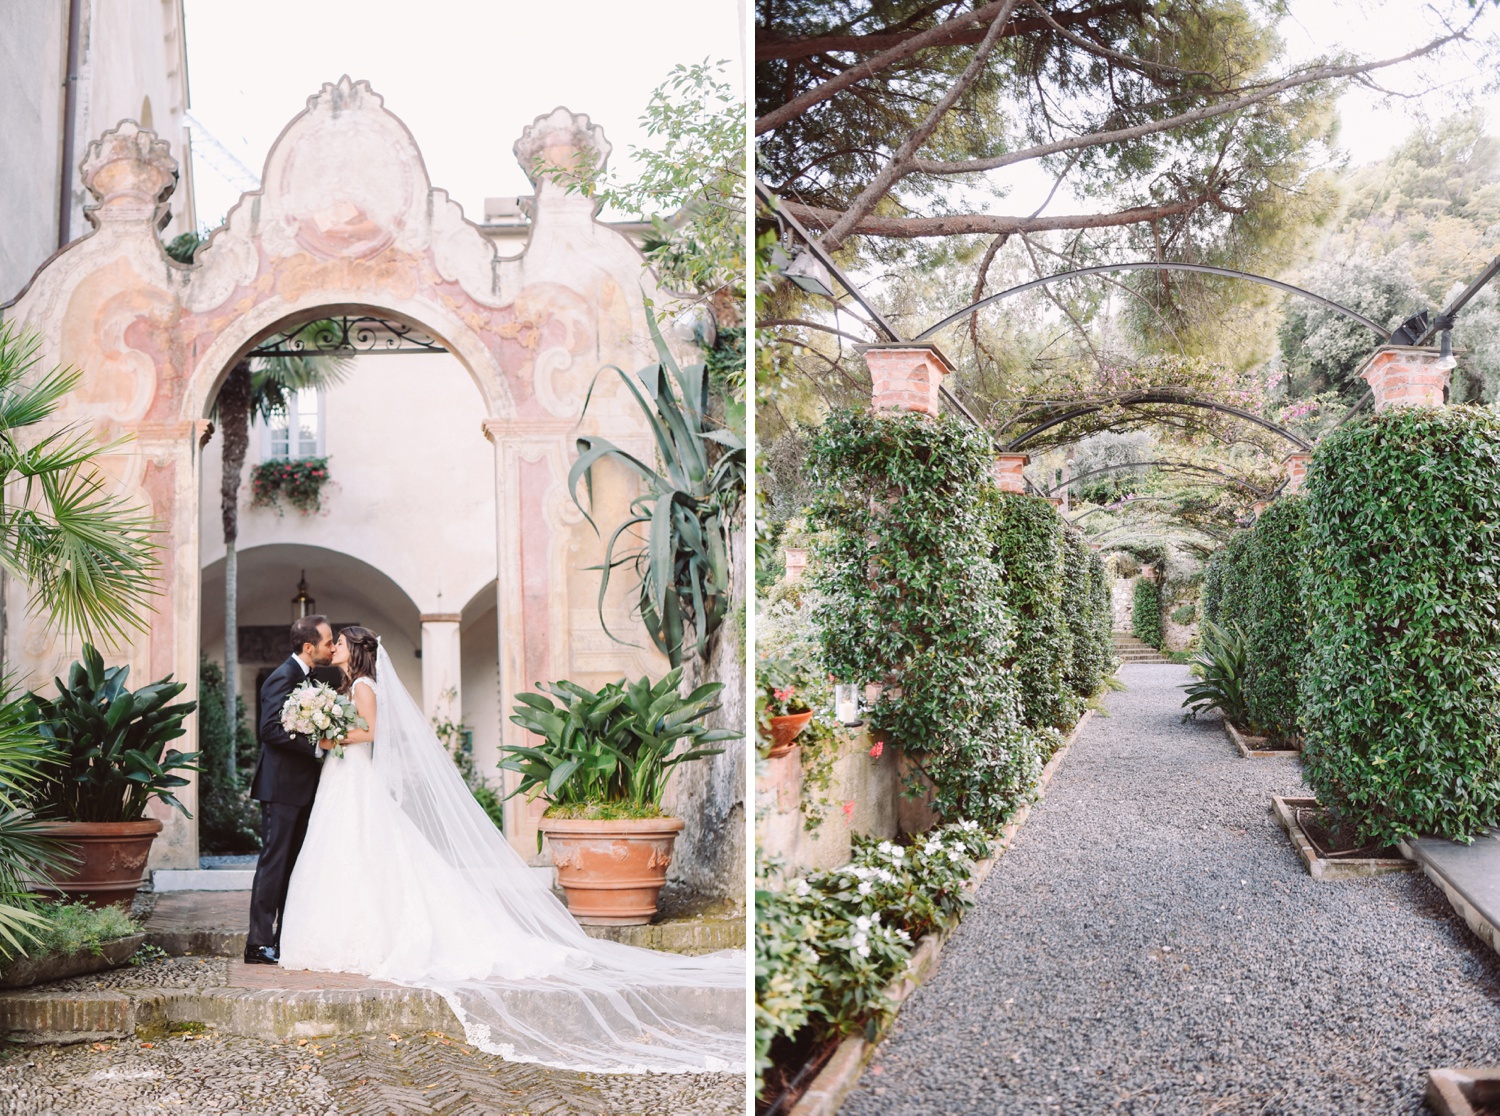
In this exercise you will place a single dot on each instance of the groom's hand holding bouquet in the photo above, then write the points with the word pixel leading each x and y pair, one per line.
pixel 317 710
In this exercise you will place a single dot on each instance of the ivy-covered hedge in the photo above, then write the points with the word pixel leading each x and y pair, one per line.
pixel 1088 612
pixel 914 598
pixel 1401 693
pixel 1028 543
pixel 1227 582
pixel 1275 624
pixel 1145 612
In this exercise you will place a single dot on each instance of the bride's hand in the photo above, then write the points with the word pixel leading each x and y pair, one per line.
pixel 328 745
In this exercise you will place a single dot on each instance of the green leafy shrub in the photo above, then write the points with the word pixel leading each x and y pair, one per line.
pixel 1026 534
pixel 1087 611
pixel 1184 615
pixel 71 927
pixel 1276 627
pixel 298 481
pixel 1145 612
pixel 614 748
pixel 228 820
pixel 111 743
pixel 1232 604
pixel 1401 693
pixel 1220 666
pixel 827 945
pixel 913 598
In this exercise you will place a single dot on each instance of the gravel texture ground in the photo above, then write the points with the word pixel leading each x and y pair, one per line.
pixel 1152 945
pixel 374 1074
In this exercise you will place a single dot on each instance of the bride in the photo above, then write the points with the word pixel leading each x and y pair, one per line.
pixel 403 877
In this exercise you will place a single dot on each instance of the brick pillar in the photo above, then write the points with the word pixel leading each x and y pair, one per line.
pixel 1296 472
pixel 906 377
pixel 796 562
pixel 1008 471
pixel 1407 374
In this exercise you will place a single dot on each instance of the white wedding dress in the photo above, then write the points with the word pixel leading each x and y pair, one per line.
pixel 404 878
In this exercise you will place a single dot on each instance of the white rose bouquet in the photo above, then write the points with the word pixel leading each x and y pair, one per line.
pixel 317 710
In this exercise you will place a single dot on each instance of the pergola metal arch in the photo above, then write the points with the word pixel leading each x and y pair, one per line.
pixel 1152 265
pixel 1159 396
pixel 1169 466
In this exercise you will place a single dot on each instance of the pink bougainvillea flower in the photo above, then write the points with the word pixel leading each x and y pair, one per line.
pixel 848 811
pixel 876 749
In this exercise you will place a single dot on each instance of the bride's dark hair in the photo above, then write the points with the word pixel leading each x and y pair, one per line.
pixel 362 646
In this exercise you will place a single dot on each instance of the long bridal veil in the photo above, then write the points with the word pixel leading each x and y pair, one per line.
pixel 599 1006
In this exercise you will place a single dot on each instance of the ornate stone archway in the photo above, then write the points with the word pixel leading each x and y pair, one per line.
pixel 347 219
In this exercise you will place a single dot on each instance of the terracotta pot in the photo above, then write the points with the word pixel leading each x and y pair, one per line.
pixel 786 729
pixel 612 872
pixel 113 861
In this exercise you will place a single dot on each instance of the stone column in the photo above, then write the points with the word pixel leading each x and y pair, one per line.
pixel 906 377
pixel 1407 374
pixel 442 676
pixel 1009 471
pixel 1296 472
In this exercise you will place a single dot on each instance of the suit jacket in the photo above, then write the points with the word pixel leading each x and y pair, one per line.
pixel 289 766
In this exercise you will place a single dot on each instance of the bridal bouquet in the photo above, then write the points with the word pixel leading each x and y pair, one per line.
pixel 316 709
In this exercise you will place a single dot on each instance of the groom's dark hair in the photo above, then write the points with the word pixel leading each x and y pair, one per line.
pixel 305 630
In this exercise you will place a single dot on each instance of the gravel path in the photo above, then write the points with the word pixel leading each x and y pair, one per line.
pixel 1152 945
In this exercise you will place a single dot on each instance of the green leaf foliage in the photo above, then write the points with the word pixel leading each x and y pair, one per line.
pixel 1219 668
pixel 617 745
pixel 914 598
pixel 1145 612
pixel 1028 544
pixel 1276 627
pixel 1401 693
pixel 228 820
pixel 1087 609
pixel 111 743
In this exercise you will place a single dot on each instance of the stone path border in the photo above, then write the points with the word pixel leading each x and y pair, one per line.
pixel 837 1080
pixel 1466 875
pixel 1455 1091
pixel 1248 744
pixel 1321 868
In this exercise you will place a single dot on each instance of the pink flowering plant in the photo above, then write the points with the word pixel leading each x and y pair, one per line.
pixel 299 482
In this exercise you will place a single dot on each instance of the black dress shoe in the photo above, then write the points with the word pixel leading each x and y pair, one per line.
pixel 260 955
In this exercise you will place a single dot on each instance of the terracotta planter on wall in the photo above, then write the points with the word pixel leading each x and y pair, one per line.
pixel 112 865
pixel 612 872
pixel 784 730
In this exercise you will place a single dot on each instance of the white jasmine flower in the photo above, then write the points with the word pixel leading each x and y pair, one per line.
pixel 864 888
pixel 804 888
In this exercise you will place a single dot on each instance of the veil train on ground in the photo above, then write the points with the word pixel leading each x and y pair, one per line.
pixel 607 1007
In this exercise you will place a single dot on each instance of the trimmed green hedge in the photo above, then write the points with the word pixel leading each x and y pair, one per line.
pixel 1087 609
pixel 1145 612
pixel 914 598
pixel 1027 536
pixel 1401 693
pixel 1226 583
pixel 1276 622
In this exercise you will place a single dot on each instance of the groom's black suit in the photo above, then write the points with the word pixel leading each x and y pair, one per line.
pixel 286 780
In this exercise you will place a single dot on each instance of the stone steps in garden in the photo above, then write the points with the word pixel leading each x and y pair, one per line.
pixel 1129 649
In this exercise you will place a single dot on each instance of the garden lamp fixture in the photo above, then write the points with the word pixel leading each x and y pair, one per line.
pixel 846 704
pixel 809 273
pixel 302 603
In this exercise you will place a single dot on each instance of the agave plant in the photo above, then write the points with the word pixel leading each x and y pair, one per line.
pixel 1220 670
pixel 617 745
pixel 681 563
pixel 111 743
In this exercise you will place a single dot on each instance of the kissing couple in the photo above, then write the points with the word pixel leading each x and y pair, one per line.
pixel 378 860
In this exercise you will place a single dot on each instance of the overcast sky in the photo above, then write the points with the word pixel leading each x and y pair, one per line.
pixel 465 76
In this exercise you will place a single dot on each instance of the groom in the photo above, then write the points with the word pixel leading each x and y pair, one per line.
pixel 286 780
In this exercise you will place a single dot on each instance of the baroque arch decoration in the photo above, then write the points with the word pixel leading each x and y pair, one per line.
pixel 347 220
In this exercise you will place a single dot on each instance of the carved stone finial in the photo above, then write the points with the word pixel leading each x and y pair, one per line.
pixel 131 173
pixel 562 147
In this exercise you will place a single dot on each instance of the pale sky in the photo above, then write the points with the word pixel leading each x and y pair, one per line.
pixel 464 75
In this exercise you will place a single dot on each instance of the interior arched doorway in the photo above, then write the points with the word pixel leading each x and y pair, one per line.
pixel 347 221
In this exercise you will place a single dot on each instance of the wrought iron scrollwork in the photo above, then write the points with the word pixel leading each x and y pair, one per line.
pixel 346 335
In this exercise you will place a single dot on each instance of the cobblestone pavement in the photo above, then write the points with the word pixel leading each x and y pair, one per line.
pixel 406 1074
pixel 1152 945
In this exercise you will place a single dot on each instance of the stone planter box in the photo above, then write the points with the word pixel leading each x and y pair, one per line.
pixel 1252 747
pixel 1464 1090
pixel 23 972
pixel 1325 868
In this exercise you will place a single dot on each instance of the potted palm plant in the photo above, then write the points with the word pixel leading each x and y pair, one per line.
pixel 110 746
pixel 602 761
